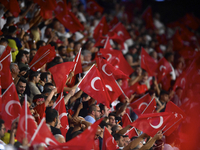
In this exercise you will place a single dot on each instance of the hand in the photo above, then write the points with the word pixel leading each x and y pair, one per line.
pixel 71 74
pixel 55 90
pixel 72 92
pixel 158 135
pixel 127 100
pixel 75 121
pixel 22 73
pixel 80 106
pixel 41 82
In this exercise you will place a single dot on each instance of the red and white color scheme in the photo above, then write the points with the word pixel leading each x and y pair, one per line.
pixel 109 142
pixel 12 6
pixel 60 73
pixel 44 55
pixel 78 66
pixel 93 7
pixel 126 120
pixel 26 125
pixel 148 18
pixel 131 132
pixel 92 84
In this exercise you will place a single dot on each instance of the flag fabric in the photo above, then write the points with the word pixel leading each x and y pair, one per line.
pixel 43 135
pixel 148 63
pixel 92 84
pixel 117 59
pixel 11 106
pixel 113 22
pixel 126 120
pixel 70 21
pixel 109 142
pixel 131 132
pixel 44 55
pixel 140 104
pixel 5 73
pixel 12 6
pixel 0 95
pixel 101 29
pixel 60 73
pixel 151 107
pixel 108 79
pixel 61 8
pixel 121 31
pixel 151 123
pixel 78 66
pixel 148 18
pixel 83 141
pixel 190 21
pixel 164 69
pixel 60 107
pixel 26 125
pixel 46 5
pixel 93 7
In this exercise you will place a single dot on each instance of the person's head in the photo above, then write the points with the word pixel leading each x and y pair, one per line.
pixel 169 56
pixel 115 129
pixel 119 139
pixel 52 117
pixel 40 43
pixel 119 81
pixel 164 96
pixel 118 107
pixel 33 51
pixel 62 50
pixel 46 77
pixel 104 110
pixel 34 76
pixel 21 57
pixel 2 128
pixel 87 55
pixel 126 140
pixel 4 42
pixel 94 111
pixel 179 92
pixel 14 69
pixel 21 85
pixel 38 99
pixel 60 138
pixel 111 118
pixel 144 76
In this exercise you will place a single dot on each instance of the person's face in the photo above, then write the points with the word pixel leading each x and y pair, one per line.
pixel 126 141
pixel 58 124
pixel 32 53
pixel 88 57
pixel 112 120
pixel 21 87
pixel 37 79
pixel 49 80
pixel 120 142
pixel 179 92
pixel 2 131
pixel 165 97
pixel 16 69
pixel 28 57
pixel 97 113
pixel 24 59
pixel 63 51
pixel 106 111
pixel 119 82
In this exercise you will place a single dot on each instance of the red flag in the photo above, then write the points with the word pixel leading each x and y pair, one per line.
pixel 46 14
pixel 12 6
pixel 131 132
pixel 148 18
pixel 47 5
pixel 60 73
pixel 83 141
pixel 11 106
pixel 117 59
pixel 44 55
pixel 121 32
pixel 171 107
pixel 151 123
pixel 93 7
pixel 5 73
pixel 148 63
pixel 109 142
pixel 126 120
pixel 93 85
pixel 78 66
pixel 70 21
pixel 140 104
pixel 61 7
pixel 108 79
pixel 164 69
pixel 101 29
pixel 60 107
pixel 26 125
pixel 113 22
pixel 43 135
pixel 101 41
pixel 0 95
pixel 190 21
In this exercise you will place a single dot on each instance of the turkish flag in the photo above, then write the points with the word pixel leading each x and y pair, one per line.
pixel 83 141
pixel 148 18
pixel 26 125
pixel 11 106
pixel 140 104
pixel 126 120
pixel 12 6
pixel 131 132
pixel 101 29
pixel 109 142
pixel 60 73
pixel 164 68
pixel 44 55
pixel 101 41
pixel 93 7
pixel 46 5
pixel 177 41
pixel 108 79
pixel 113 22
pixel 117 59
pixel 5 73
pixel 48 14
pixel 171 107
pixel 60 107
pixel 121 31
pixel 70 21
pixel 61 8
pixel 92 84
pixel 152 123
pixel 190 21
pixel 78 66
pixel 148 63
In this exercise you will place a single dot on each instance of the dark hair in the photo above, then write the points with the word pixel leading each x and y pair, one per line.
pixel 33 74
pixel 111 114
pixel 39 44
pixel 37 97
pixel 22 79
pixel 51 114
pixel 168 54
pixel 102 107
pixel 114 129
pixel 44 75
pixel 46 86
pixel 54 44
pixel 117 136
pixel 60 48
pixel 118 106
pixel 3 40
pixel 19 56
pixel 1 123
pixel 92 108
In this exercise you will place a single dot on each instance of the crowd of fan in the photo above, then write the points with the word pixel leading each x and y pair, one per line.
pixel 29 31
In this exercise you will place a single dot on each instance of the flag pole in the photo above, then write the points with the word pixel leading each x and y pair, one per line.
pixel 147 105
pixel 120 89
